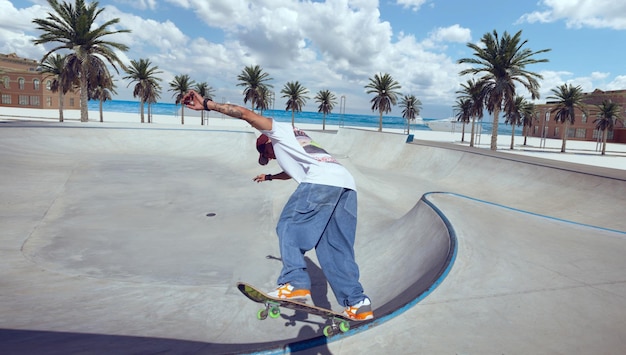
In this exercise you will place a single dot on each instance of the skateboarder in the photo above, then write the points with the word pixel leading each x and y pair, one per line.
pixel 320 214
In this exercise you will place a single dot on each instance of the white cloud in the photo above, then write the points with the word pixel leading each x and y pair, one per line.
pixel 140 4
pixel 14 27
pixel 454 33
pixel 414 5
pixel 581 13
pixel 618 83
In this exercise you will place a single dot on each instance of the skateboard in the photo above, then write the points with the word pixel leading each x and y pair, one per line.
pixel 338 322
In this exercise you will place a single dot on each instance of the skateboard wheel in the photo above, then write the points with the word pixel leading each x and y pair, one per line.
pixel 328 330
pixel 261 314
pixel 344 326
pixel 274 312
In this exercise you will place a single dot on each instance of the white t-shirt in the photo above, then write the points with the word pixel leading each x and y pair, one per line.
pixel 304 160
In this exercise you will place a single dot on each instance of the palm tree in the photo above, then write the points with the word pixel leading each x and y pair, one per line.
pixel 463 109
pixel 143 74
pixel 474 92
pixel 265 100
pixel 152 95
pixel 411 107
pixel 296 98
pixel 101 84
pixel 327 101
pixel 54 66
pixel 385 88
pixel 502 61
pixel 514 115
pixel 101 88
pixel 568 99
pixel 180 85
pixel 254 80
pixel 75 28
pixel 607 117
pixel 205 91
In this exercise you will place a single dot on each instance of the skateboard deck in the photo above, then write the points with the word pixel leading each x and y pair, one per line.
pixel 339 322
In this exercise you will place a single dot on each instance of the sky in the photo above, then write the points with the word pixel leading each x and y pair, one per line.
pixel 338 45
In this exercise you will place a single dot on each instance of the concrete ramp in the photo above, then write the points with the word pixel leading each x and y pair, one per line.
pixel 126 238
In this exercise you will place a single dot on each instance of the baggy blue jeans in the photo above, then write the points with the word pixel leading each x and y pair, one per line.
pixel 321 217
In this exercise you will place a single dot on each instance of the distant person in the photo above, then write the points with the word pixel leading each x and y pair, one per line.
pixel 320 214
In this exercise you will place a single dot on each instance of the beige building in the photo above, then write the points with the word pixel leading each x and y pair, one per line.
pixel 23 85
pixel 584 126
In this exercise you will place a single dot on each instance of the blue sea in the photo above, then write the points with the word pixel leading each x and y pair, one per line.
pixel 338 119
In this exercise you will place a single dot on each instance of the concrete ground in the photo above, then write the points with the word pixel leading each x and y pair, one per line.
pixel 127 238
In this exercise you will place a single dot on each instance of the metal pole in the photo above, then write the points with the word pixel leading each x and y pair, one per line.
pixel 342 109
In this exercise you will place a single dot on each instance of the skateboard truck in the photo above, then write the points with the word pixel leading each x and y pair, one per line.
pixel 336 326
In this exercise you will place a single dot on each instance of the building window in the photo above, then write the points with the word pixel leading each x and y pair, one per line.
pixel 71 102
pixel 49 101
pixel 581 133
pixel 571 133
pixel 20 83
pixel 23 100
pixel 584 119
pixel 556 132
pixel 36 84
pixel 598 134
pixel 547 116
pixel 6 99
pixel 49 85
pixel 6 82
pixel 34 101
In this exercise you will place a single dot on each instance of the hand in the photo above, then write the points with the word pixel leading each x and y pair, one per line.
pixel 193 100
pixel 260 178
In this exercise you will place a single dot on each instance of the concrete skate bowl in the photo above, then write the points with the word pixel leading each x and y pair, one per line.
pixel 144 232
pixel 154 272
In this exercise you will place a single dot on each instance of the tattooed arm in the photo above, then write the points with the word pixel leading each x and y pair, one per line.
pixel 194 101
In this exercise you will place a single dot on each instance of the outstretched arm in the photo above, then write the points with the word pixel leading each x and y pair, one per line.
pixel 268 177
pixel 194 101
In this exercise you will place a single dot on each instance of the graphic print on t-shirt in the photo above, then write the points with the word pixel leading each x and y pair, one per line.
pixel 318 153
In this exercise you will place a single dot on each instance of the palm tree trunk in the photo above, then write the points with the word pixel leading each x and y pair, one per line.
pixel 324 122
pixel 526 128
pixel 494 129
pixel 141 104
pixel 462 131
pixel 565 136
pixel 84 98
pixel 512 136
pixel 380 122
pixel 472 137
pixel 61 105
pixel 605 136
pixel 101 116
pixel 182 114
pixel 293 118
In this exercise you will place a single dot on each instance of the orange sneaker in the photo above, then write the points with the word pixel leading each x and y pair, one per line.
pixel 287 291
pixel 360 311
